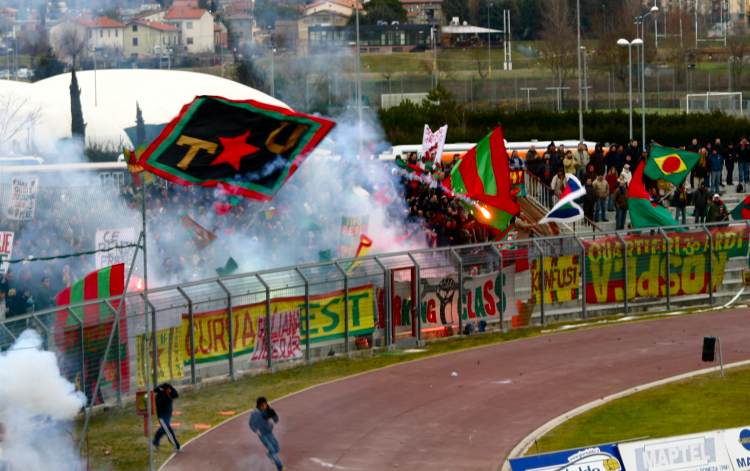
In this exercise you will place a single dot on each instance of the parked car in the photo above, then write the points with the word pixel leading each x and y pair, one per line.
pixel 24 73
pixel 4 74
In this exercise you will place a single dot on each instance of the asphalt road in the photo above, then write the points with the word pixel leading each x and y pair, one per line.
pixel 420 416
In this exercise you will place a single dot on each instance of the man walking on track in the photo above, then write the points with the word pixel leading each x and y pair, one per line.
pixel 261 422
pixel 165 395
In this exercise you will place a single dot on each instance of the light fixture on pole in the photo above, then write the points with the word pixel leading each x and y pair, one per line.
pixel 489 42
pixel 639 22
pixel 629 45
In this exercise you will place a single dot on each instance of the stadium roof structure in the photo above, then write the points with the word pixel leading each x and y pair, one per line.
pixel 109 107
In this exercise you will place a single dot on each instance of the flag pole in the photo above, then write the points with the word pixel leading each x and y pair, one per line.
pixel 144 251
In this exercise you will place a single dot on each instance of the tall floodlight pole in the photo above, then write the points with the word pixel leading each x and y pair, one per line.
pixel 629 45
pixel 580 78
pixel 359 85
pixel 489 42
pixel 639 21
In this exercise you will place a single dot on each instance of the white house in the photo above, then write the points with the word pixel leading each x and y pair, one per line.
pixel 103 33
pixel 196 28
pixel 148 38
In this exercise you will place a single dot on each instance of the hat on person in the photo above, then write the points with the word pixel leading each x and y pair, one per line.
pixel 716 195
pixel 627 166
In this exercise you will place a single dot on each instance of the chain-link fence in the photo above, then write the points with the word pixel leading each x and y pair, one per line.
pixel 230 326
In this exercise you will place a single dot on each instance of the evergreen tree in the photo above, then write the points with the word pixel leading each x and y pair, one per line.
pixel 47 65
pixel 140 127
pixel 77 126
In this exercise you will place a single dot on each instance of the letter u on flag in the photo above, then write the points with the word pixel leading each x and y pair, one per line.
pixel 246 147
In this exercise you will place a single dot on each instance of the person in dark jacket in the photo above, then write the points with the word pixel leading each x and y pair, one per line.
pixel 165 396
pixel 716 165
pixel 262 420
pixel 700 201
pixel 680 201
pixel 730 158
pixel 743 156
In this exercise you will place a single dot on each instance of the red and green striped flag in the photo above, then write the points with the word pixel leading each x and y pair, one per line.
pixel 742 210
pixel 483 175
pixel 643 212
pixel 97 327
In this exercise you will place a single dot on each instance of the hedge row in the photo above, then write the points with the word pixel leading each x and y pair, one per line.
pixel 404 124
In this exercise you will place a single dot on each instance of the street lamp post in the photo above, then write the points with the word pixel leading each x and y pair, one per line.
pixel 359 86
pixel 629 45
pixel 580 97
pixel 639 22
pixel 273 72
pixel 585 80
pixel 489 42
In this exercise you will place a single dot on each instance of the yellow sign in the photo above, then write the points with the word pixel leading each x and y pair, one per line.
pixel 211 332
pixel 169 355
pixel 561 279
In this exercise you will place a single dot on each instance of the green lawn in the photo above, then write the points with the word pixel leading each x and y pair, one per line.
pixel 703 403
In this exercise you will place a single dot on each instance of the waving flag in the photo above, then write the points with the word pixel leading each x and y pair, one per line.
pixel 643 212
pixel 742 210
pixel 483 175
pixel 246 147
pixel 672 165
pixel 567 210
pixel 433 142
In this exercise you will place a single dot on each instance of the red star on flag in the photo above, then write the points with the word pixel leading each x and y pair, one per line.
pixel 235 149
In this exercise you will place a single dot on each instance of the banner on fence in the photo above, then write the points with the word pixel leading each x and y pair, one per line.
pixel 109 238
pixel 23 198
pixel 170 357
pixel 211 332
pixel 285 343
pixel 489 296
pixel 696 452
pixel 599 458
pixel 6 250
pixel 690 266
pixel 561 279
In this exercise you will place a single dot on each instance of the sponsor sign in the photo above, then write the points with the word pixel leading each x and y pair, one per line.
pixel 170 355
pixel 696 452
pixel 109 238
pixel 737 442
pixel 23 198
pixel 211 330
pixel 6 250
pixel 599 458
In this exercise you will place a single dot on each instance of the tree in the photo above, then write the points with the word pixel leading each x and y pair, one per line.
pixel 737 44
pixel 70 42
pixel 47 65
pixel 247 73
pixel 558 46
pixel 528 21
pixel 382 10
pixel 456 8
pixel 77 126
pixel 140 127
pixel 17 118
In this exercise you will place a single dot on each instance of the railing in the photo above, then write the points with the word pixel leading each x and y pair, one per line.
pixel 542 194
pixel 336 308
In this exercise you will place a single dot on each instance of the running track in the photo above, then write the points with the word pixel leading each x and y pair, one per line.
pixel 417 416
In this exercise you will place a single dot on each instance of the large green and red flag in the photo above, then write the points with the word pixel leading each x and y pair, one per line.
pixel 644 212
pixel 742 210
pixel 83 356
pixel 483 175
pixel 672 165
pixel 245 147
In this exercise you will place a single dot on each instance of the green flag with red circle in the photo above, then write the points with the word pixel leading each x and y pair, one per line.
pixel 670 164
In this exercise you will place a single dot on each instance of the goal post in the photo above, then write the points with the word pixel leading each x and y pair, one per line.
pixel 726 102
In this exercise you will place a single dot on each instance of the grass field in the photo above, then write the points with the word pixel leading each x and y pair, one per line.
pixel 703 403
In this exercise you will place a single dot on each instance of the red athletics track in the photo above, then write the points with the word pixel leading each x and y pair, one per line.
pixel 417 416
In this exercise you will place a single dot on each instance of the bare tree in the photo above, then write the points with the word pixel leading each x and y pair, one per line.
pixel 558 45
pixel 70 41
pixel 17 115
pixel 737 44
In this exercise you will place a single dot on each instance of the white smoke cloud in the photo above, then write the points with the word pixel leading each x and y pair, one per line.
pixel 36 406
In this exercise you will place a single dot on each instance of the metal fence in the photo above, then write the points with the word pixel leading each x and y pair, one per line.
pixel 182 333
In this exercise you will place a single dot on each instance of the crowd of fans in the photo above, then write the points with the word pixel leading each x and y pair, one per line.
pixel 65 225
pixel 607 172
